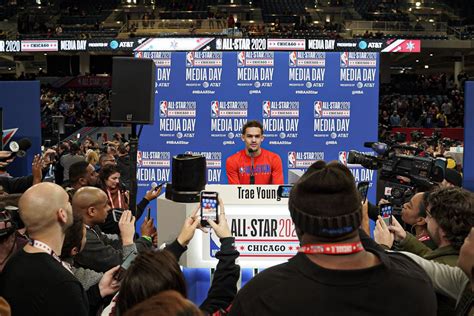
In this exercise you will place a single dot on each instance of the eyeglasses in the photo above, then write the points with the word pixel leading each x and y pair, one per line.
pixel 428 213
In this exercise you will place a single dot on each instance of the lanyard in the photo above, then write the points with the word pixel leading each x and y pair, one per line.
pixel 92 230
pixel 41 245
pixel 332 249
pixel 112 201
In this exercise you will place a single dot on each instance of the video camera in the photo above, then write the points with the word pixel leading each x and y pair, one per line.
pixel 404 174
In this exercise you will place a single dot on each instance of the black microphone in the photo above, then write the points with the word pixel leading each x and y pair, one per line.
pixel 19 148
pixel 252 176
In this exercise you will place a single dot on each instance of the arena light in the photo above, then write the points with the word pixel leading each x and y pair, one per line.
pixel 418 4
pixel 427 66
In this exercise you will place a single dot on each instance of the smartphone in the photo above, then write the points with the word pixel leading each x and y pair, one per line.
pixel 385 211
pixel 120 273
pixel 284 190
pixel 159 186
pixel 209 207
pixel 148 213
pixel 78 135
pixel 363 188
pixel 117 213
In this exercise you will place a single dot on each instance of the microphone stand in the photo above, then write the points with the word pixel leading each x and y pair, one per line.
pixel 133 167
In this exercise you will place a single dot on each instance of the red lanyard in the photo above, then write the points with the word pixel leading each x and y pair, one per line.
pixel 41 245
pixel 332 249
pixel 112 201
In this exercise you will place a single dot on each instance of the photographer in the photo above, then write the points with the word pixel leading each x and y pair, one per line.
pixel 450 217
pixel 154 272
pixel 101 253
pixel 414 214
pixel 110 182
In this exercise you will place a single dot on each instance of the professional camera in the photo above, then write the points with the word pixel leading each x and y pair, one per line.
pixel 10 221
pixel 447 142
pixel 434 138
pixel 416 136
pixel 404 174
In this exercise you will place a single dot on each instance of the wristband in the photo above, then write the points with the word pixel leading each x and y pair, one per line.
pixel 148 238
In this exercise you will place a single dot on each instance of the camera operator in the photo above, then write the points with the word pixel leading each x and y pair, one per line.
pixel 414 214
pixel 450 217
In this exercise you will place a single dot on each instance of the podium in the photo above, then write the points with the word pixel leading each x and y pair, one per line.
pixel 260 222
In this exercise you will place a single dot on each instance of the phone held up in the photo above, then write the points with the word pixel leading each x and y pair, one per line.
pixel 209 207
pixel 385 212
pixel 284 190
pixel 148 214
pixel 120 273
pixel 117 213
pixel 363 188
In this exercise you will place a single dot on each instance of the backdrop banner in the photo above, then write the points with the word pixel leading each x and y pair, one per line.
pixel 313 106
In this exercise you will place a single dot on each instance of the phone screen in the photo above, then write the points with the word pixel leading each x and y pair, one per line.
pixel 125 265
pixel 363 188
pixel 117 213
pixel 148 213
pixel 209 207
pixel 386 213
pixel 284 190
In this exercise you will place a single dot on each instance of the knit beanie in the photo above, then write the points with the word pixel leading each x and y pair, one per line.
pixel 325 202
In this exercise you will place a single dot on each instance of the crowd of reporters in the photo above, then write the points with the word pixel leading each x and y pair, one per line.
pixel 78 272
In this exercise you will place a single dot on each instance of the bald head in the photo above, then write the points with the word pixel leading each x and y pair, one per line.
pixel 43 206
pixel 90 203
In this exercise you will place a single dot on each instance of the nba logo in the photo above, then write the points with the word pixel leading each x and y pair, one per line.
pixel 164 108
pixel 139 158
pixel 345 59
pixel 293 60
pixel 318 109
pixel 215 109
pixel 241 59
pixel 266 111
pixel 190 59
pixel 291 159
pixel 138 55
pixel 343 157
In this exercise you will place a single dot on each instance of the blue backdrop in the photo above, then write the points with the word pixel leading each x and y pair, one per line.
pixel 20 101
pixel 313 106
pixel 468 167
